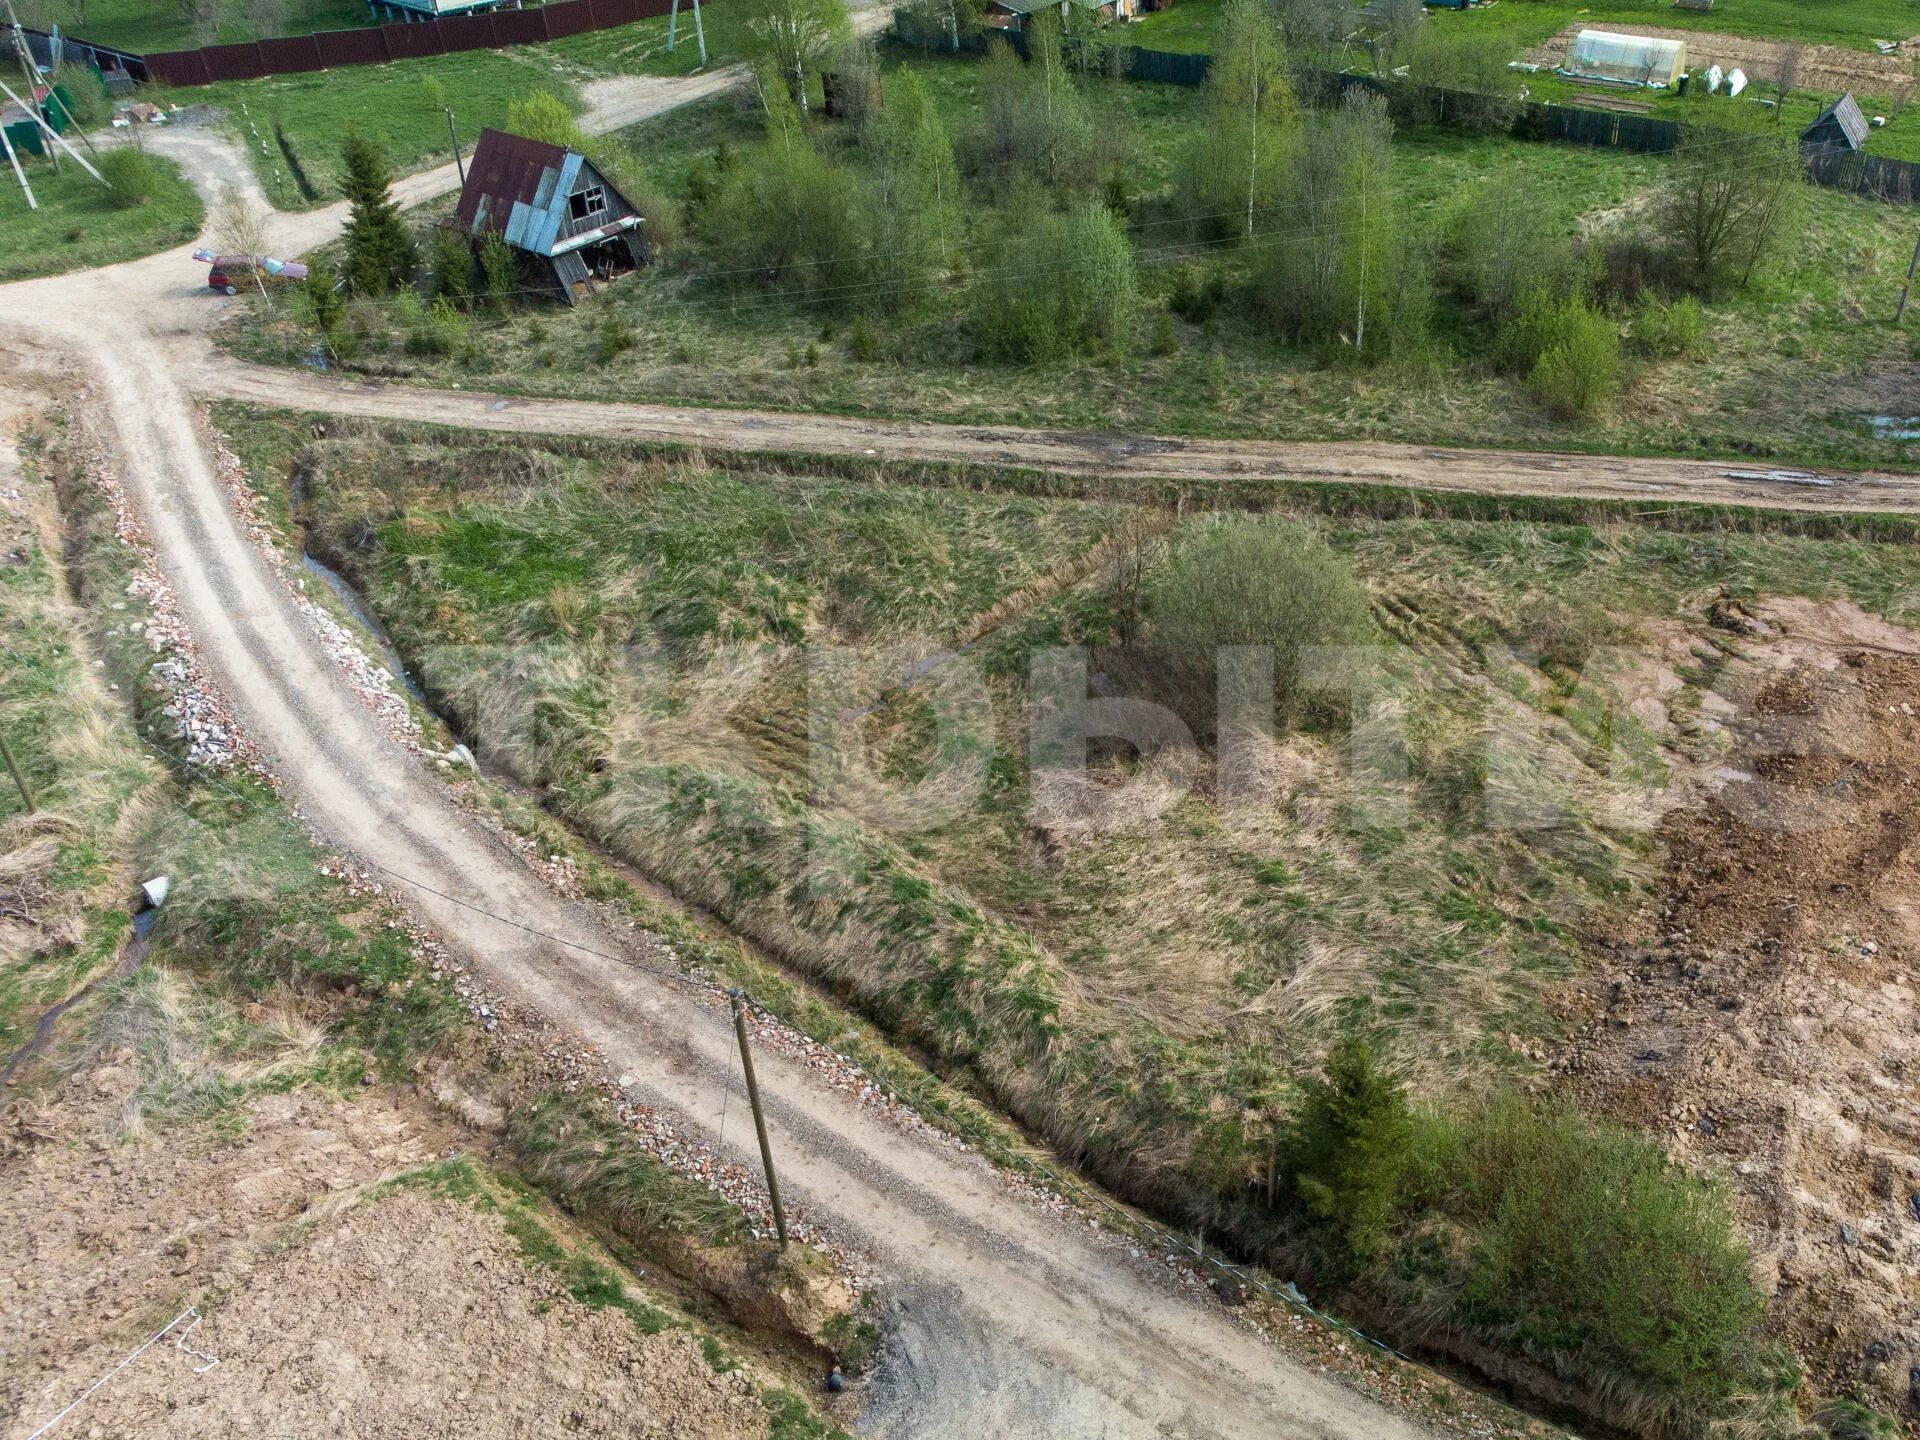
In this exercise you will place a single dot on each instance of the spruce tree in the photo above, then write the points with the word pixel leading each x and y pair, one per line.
pixel 379 247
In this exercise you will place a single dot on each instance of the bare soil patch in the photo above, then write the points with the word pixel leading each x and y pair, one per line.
pixel 406 1314
pixel 1763 1010
pixel 1822 67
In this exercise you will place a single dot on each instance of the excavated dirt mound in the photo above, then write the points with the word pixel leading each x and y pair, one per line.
pixel 405 1315
pixel 1822 67
pixel 1763 1013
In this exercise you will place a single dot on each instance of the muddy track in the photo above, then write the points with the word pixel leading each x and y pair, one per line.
pixel 1090 1341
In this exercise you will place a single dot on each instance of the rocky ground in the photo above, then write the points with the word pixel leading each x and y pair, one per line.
pixel 1762 1012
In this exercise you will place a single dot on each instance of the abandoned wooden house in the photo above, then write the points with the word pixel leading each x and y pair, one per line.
pixel 552 203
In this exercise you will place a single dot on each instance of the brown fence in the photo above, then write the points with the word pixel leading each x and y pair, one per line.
pixel 330 49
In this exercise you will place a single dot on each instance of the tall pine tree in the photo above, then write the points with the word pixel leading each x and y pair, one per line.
pixel 379 247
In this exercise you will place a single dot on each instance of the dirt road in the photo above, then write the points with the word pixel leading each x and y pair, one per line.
pixel 1143 457
pixel 1090 1343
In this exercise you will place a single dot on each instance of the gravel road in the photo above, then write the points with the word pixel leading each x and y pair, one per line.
pixel 1071 1337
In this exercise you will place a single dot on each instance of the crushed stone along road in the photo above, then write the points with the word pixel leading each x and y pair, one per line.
pixel 1100 1347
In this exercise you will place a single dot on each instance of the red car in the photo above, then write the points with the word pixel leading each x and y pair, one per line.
pixel 230 272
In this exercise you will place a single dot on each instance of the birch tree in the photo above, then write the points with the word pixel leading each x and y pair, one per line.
pixel 788 38
pixel 1234 162
pixel 914 196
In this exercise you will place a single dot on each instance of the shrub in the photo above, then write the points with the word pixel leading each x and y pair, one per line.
pixel 452 266
pixel 1668 331
pixel 1165 342
pixel 542 115
pixel 1197 297
pixel 132 174
pixel 1578 374
pixel 500 266
pixel 860 340
pixel 1249 582
pixel 782 214
pixel 1588 1239
pixel 1061 286
pixel 615 336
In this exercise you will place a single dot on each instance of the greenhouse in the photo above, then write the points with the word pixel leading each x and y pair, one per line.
pixel 1626 59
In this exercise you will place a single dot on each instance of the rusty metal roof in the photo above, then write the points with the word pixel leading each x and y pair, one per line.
pixel 506 170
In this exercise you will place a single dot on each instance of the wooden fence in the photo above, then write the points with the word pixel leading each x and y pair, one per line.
pixel 375 45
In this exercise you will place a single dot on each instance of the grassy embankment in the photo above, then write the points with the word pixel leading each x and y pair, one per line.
pixel 1150 997
pixel 1793 365
pixel 79 222
pixel 265 972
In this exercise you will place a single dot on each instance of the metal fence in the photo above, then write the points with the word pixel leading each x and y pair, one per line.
pixel 375 45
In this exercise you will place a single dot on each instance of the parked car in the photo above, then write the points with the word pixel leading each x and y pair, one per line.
pixel 230 272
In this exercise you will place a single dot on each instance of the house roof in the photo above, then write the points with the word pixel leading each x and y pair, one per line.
pixel 1844 112
pixel 519 188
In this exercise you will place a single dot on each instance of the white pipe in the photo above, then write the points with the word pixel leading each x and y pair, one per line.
pixel 52 134
pixel 14 160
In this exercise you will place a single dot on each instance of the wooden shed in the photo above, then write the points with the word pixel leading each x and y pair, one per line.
pixel 551 202
pixel 1840 128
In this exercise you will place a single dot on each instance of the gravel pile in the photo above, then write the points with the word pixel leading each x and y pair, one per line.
pixel 200 718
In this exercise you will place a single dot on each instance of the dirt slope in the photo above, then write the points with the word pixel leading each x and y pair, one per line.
pixel 1763 1015
pixel 396 1316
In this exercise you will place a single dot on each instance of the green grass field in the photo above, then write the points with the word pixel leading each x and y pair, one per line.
pixel 79 225
pixel 150 26
pixel 398 105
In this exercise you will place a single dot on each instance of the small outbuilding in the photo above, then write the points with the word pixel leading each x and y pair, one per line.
pixel 1013 14
pixel 1615 59
pixel 551 202
pixel 1841 128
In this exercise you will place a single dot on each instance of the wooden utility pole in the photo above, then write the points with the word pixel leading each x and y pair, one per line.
pixel 1900 311
pixel 459 165
pixel 738 997
pixel 26 69
pixel 21 780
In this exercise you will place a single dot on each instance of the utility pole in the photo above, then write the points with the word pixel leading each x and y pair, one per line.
pixel 26 68
pixel 458 164
pixel 1912 265
pixel 738 998
pixel 27 795
pixel 673 21
pixel 19 174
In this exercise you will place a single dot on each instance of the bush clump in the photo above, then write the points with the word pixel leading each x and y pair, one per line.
pixel 1250 582
pixel 1668 331
pixel 132 175
pixel 1528 1223
pixel 1568 351
pixel 1065 285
